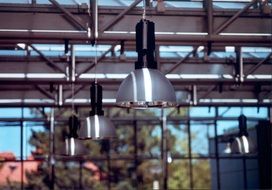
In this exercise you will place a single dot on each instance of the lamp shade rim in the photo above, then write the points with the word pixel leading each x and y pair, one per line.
pixel 144 104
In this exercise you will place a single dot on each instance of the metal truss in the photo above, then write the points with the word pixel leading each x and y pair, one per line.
pixel 208 27
pixel 186 26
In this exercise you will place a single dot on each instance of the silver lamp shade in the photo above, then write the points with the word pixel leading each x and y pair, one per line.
pixel 74 147
pixel 242 145
pixel 146 88
pixel 97 127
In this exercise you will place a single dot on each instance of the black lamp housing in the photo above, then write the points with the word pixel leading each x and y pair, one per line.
pixel 96 99
pixel 74 125
pixel 72 145
pixel 96 126
pixel 145 45
pixel 242 125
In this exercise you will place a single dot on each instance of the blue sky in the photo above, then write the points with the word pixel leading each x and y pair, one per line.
pixel 10 135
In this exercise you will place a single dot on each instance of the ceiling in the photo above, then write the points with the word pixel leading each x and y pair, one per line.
pixel 202 45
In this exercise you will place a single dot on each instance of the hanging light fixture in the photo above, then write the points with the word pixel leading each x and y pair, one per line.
pixel 96 126
pixel 242 144
pixel 146 86
pixel 73 146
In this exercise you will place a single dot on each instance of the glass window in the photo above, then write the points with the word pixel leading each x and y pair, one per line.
pixel 200 134
pixel 148 139
pixel 10 112
pixel 178 139
pixel 202 112
pixel 201 174
pixel 10 141
pixel 179 175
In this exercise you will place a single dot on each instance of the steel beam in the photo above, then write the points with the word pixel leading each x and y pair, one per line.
pixel 33 81
pixel 181 61
pixel 255 67
pixel 234 17
pixel 209 9
pixel 75 92
pixel 44 92
pixel 107 38
pixel 209 90
pixel 120 16
pixel 70 17
pixel 48 61
pixel 13 60
pixel 98 60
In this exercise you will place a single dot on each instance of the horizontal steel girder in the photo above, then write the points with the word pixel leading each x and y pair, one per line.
pixel 34 26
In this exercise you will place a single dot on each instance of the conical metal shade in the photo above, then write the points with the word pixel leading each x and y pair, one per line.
pixel 242 145
pixel 74 147
pixel 146 88
pixel 97 127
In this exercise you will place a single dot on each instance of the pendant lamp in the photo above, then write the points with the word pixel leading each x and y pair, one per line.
pixel 242 144
pixel 96 126
pixel 73 146
pixel 146 86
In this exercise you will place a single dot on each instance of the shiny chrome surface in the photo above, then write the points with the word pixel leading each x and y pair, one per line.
pixel 74 147
pixel 97 127
pixel 242 145
pixel 146 88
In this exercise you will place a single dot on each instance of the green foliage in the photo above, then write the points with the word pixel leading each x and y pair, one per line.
pixel 123 173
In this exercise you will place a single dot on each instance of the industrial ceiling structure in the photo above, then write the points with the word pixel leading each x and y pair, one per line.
pixel 213 52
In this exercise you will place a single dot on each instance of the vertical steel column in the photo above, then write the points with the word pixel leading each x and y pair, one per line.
pixel 239 66
pixel 244 172
pixel 194 95
pixel 60 95
pixel 216 151
pixel 269 113
pixel 190 151
pixel 209 8
pixel 52 149
pixel 72 65
pixel 94 6
pixel 109 167
pixel 164 139
pixel 80 174
pixel 22 147
pixel 135 147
